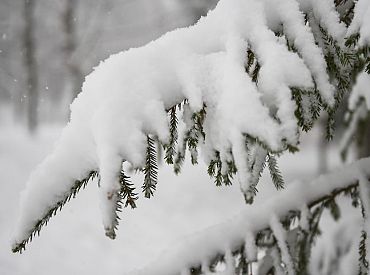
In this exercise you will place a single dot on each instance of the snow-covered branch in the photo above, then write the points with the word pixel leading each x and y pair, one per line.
pixel 204 246
pixel 238 84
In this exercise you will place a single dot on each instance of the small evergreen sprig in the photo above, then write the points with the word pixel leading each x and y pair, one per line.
pixel 124 197
pixel 215 171
pixel 299 241
pixel 195 133
pixel 308 108
pixel 363 263
pixel 275 173
pixel 151 169
pixel 20 246
pixel 171 146
pixel 127 191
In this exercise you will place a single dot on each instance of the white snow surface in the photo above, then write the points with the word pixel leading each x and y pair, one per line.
pixel 361 22
pixel 361 90
pixel 127 95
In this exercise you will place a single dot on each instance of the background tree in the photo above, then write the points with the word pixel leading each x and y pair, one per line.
pixel 30 65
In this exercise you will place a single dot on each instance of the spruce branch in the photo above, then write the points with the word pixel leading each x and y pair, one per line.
pixel 250 60
pixel 171 146
pixel 215 170
pixel 265 238
pixel 127 191
pixel 151 169
pixel 363 263
pixel 43 221
pixel 275 173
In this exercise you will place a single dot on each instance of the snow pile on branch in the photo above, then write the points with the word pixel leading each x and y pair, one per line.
pixel 361 91
pixel 337 252
pixel 188 252
pixel 361 22
pixel 126 99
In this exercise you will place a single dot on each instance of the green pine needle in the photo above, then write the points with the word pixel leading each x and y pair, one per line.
pixel 150 170
pixel 275 173
pixel 363 263
pixel 171 146
pixel 19 247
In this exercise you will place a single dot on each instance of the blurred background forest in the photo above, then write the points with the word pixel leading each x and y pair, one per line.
pixel 47 47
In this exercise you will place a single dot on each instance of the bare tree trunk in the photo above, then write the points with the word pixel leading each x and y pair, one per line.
pixel 73 69
pixel 30 65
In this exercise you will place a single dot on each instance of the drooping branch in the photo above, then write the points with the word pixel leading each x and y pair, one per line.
pixel 20 245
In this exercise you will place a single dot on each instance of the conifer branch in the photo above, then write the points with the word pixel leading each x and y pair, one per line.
pixel 150 170
pixel 43 221
pixel 127 191
pixel 363 263
pixel 124 197
pixel 275 173
pixel 215 171
pixel 265 239
pixel 171 146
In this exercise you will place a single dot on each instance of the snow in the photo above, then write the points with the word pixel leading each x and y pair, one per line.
pixel 361 22
pixel 301 36
pixel 325 13
pixel 250 247
pixel 332 255
pixel 126 98
pixel 304 219
pixel 127 95
pixel 255 218
pixel 74 239
pixel 280 236
pixel 361 90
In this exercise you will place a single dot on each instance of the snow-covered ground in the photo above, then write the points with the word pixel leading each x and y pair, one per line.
pixel 74 241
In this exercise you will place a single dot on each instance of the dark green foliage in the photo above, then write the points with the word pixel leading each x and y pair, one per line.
pixel 125 196
pixel 330 125
pixel 171 146
pixel 193 135
pixel 19 247
pixel 179 159
pixel 250 60
pixel 299 240
pixel 255 72
pixel 215 171
pixel 363 263
pixel 150 170
pixel 127 191
pixel 334 208
pixel 352 40
pixel 252 67
pixel 275 173
pixel 242 266
pixel 196 270
pixel 308 109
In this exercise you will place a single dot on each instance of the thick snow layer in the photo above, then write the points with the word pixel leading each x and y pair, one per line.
pixel 280 235
pixel 127 95
pixel 327 16
pixel 361 22
pixel 361 90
